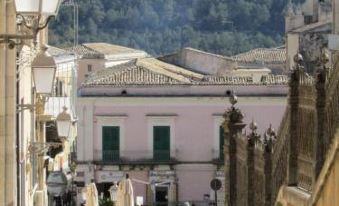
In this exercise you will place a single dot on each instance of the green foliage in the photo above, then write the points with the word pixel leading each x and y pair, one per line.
pixel 105 202
pixel 164 26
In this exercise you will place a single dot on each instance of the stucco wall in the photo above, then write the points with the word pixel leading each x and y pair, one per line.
pixel 200 61
pixel 194 132
pixel 137 113
pixel 97 64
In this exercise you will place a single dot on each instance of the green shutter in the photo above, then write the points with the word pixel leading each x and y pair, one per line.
pixel 110 143
pixel 221 142
pixel 161 143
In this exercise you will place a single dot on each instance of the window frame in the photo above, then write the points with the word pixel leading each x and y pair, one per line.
pixel 218 120
pixel 110 121
pixel 161 121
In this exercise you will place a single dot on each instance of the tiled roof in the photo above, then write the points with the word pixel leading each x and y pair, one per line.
pixel 262 55
pixel 100 50
pixel 150 71
pixel 54 51
pixel 128 74
pixel 110 49
pixel 84 51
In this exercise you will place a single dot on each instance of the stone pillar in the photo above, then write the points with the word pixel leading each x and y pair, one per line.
pixel 8 174
pixel 292 165
pixel 252 138
pixel 320 141
pixel 269 137
pixel 235 126
pixel 226 161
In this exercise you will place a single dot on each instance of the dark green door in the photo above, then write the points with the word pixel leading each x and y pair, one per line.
pixel 161 143
pixel 221 141
pixel 110 143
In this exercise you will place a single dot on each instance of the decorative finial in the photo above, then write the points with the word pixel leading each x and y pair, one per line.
pixel 270 132
pixel 298 58
pixel 233 98
pixel 324 57
pixel 253 126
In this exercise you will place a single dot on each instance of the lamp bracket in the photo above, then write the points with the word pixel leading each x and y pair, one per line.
pixel 35 26
pixel 11 39
pixel 42 147
pixel 22 107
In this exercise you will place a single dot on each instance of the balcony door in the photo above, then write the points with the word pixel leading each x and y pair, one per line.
pixel 110 143
pixel 161 143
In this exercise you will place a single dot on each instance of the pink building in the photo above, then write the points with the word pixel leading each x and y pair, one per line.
pixel 160 123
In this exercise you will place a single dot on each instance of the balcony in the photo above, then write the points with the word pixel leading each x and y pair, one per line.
pixel 134 157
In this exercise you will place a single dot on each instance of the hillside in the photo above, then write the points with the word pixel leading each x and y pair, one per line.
pixel 162 26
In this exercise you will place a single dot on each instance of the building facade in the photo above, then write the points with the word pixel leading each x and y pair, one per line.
pixel 161 124
pixel 95 56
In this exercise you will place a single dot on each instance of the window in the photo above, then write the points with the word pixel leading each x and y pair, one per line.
pixel 110 143
pixel 59 88
pixel 218 134
pixel 89 67
pixel 161 136
pixel 110 133
pixel 161 143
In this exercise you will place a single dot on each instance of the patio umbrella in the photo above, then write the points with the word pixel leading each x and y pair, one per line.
pixel 92 195
pixel 125 193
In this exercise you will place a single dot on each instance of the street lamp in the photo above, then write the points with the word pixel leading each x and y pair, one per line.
pixel 43 69
pixel 63 121
pixel 31 13
pixel 37 7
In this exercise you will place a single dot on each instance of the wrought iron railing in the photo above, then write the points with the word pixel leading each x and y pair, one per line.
pixel 120 156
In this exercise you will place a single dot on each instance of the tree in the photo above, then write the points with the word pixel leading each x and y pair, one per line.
pixel 164 26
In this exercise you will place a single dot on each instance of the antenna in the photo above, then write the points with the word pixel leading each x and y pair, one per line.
pixel 74 4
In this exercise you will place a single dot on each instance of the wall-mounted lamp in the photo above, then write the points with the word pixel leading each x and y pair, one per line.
pixel 43 69
pixel 43 72
pixel 63 122
pixel 34 15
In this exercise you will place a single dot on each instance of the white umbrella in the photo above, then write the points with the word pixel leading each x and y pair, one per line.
pixel 113 192
pixel 125 193
pixel 92 195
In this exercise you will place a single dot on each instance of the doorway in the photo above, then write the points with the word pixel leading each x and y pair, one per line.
pixel 161 196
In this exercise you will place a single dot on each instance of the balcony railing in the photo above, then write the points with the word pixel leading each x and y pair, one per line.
pixel 118 156
pixel 110 155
